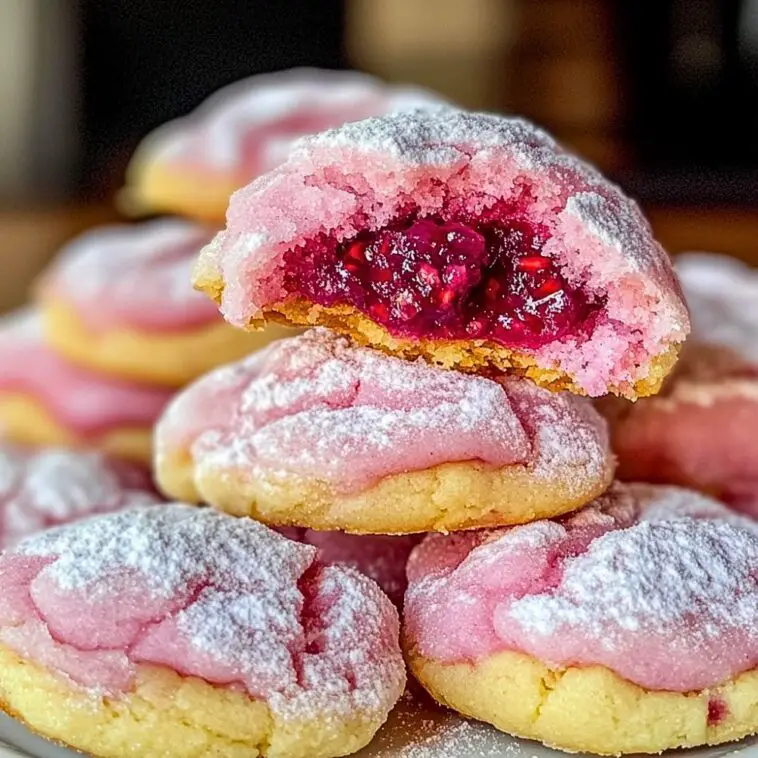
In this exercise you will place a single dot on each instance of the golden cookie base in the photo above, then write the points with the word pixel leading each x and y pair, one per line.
pixel 586 709
pixel 154 188
pixel 444 498
pixel 166 359
pixel 470 356
pixel 25 421
pixel 167 716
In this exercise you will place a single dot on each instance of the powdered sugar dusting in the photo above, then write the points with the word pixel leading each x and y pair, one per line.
pixel 39 490
pixel 644 578
pixel 451 164
pixel 691 558
pixel 317 406
pixel 722 293
pixel 438 137
pixel 418 728
pixel 464 738
pixel 132 276
pixel 165 548
pixel 211 596
pixel 567 434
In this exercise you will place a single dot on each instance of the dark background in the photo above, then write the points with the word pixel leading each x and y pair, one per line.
pixel 681 113
pixel 146 61
pixel 661 94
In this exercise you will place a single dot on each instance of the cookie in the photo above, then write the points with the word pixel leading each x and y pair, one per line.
pixel 699 432
pixel 48 488
pixel 470 239
pixel 46 400
pixel 192 165
pixel 722 293
pixel 628 627
pixel 177 631
pixel 319 433
pixel 118 300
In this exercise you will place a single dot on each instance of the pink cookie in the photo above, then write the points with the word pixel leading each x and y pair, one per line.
pixel 318 433
pixel 132 276
pixel 176 622
pixel 191 165
pixel 722 293
pixel 380 557
pixel 468 238
pixel 699 432
pixel 51 487
pixel 45 400
pixel 119 300
pixel 629 626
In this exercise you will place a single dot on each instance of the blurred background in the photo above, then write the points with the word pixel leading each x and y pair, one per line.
pixel 662 95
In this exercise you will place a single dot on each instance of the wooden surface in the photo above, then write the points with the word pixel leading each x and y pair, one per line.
pixel 722 230
pixel 29 238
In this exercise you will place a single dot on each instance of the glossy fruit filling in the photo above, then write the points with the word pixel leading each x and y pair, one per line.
pixel 438 279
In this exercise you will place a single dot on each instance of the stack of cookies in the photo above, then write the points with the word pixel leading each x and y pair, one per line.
pixel 114 331
pixel 190 166
pixel 699 432
pixel 116 320
pixel 466 287
pixel 467 282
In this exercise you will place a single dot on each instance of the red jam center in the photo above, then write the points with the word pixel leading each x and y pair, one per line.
pixel 429 278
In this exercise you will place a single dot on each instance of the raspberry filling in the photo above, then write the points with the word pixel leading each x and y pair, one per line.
pixel 431 278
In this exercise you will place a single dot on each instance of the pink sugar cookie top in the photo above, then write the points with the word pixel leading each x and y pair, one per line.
pixel 656 583
pixel 207 595
pixel 86 403
pixel 722 293
pixel 47 488
pixel 380 557
pixel 132 276
pixel 602 289
pixel 317 406
pixel 699 432
pixel 247 128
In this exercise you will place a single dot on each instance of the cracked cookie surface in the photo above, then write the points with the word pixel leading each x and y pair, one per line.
pixel 172 630
pixel 626 627
pixel 317 432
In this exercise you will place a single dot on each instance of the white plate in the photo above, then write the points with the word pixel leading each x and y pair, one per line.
pixel 413 731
